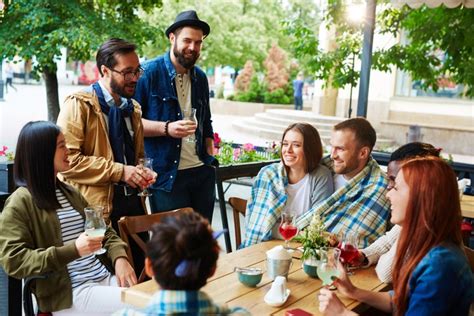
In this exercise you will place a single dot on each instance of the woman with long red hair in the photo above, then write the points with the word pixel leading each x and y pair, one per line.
pixel 431 274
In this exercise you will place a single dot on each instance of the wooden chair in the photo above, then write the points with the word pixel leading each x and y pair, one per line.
pixel 238 207
pixel 130 226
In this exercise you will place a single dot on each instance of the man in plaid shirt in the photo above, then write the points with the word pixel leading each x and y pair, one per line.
pixel 358 202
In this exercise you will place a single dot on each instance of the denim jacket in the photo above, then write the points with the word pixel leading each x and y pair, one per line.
pixel 156 93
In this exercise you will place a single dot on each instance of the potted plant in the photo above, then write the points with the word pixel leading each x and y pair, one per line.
pixel 313 239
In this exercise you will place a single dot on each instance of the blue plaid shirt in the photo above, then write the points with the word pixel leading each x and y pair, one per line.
pixel 268 198
pixel 360 205
pixel 167 302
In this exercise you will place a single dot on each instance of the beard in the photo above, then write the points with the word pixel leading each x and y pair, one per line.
pixel 185 62
pixel 120 89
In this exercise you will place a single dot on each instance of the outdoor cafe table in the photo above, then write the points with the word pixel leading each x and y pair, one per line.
pixel 467 206
pixel 224 286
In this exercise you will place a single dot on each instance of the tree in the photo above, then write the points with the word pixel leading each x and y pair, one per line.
pixel 428 31
pixel 277 69
pixel 241 30
pixel 242 82
pixel 39 29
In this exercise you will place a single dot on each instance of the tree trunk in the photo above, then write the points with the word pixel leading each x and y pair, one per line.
pixel 52 97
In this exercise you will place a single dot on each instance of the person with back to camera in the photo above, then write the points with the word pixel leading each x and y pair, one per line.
pixel 295 184
pixel 431 275
pixel 43 233
pixel 181 255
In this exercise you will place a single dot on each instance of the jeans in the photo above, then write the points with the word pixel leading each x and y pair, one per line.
pixel 298 103
pixel 129 206
pixel 194 187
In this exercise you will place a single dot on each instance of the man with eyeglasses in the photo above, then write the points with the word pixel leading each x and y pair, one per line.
pixel 104 135
pixel 182 150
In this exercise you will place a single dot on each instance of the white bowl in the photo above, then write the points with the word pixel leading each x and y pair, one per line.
pixel 270 300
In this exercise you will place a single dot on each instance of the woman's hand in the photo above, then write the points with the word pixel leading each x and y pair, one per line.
pixel 87 245
pixel 124 272
pixel 343 284
pixel 330 304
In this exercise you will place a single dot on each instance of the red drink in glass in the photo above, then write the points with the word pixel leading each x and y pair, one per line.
pixel 288 231
pixel 348 252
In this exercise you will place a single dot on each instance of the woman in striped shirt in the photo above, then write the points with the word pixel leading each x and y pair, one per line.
pixel 43 233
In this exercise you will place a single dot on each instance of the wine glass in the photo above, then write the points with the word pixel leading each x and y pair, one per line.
pixel 348 241
pixel 146 165
pixel 190 115
pixel 95 224
pixel 287 228
pixel 327 267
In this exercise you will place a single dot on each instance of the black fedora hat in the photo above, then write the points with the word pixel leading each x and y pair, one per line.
pixel 188 18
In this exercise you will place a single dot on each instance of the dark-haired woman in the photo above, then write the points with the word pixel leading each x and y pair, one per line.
pixel 43 233
pixel 181 256
pixel 431 275
pixel 294 185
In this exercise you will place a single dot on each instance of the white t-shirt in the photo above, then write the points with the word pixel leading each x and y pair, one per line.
pixel 339 181
pixel 298 201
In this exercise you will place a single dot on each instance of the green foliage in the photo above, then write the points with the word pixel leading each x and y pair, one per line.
pixel 39 29
pixel 227 154
pixel 313 238
pixel 254 94
pixel 258 93
pixel 438 45
pixel 240 29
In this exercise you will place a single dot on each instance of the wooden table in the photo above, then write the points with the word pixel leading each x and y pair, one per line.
pixel 224 287
pixel 467 206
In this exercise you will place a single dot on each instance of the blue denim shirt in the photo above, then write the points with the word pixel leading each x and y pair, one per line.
pixel 156 93
pixel 441 284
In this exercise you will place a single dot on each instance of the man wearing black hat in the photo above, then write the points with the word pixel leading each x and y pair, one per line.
pixel 181 149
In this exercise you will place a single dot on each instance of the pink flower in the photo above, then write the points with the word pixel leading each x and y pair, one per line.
pixel 3 152
pixel 236 153
pixel 248 147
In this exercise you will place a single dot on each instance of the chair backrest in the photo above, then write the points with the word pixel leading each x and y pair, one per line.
pixel 28 308
pixel 238 207
pixel 130 226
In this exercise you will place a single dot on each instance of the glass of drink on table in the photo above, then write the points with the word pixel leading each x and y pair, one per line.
pixel 327 267
pixel 287 228
pixel 348 241
pixel 95 224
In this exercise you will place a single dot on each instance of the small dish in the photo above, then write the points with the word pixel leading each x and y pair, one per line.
pixel 275 303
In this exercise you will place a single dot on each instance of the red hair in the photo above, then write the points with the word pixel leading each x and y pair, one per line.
pixel 433 216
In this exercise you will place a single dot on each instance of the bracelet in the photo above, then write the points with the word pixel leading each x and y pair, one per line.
pixel 166 128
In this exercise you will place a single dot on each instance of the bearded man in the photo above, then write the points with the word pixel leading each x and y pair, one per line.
pixel 182 150
pixel 104 136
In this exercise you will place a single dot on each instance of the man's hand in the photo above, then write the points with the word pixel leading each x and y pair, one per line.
pixel 87 245
pixel 135 177
pixel 124 272
pixel 182 128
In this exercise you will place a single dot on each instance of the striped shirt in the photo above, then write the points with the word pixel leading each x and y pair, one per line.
pixel 85 269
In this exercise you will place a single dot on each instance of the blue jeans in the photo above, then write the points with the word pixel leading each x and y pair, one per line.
pixel 193 187
pixel 298 103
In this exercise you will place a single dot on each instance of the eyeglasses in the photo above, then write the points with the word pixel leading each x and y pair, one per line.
pixel 129 75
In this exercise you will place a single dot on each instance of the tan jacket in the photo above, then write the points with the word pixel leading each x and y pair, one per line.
pixel 93 170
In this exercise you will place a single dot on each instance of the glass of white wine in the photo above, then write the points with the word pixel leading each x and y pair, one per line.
pixel 95 225
pixel 190 115
pixel 327 268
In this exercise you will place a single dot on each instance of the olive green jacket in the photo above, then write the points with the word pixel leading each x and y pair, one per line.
pixel 31 244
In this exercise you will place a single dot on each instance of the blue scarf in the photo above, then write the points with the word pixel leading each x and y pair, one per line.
pixel 119 136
